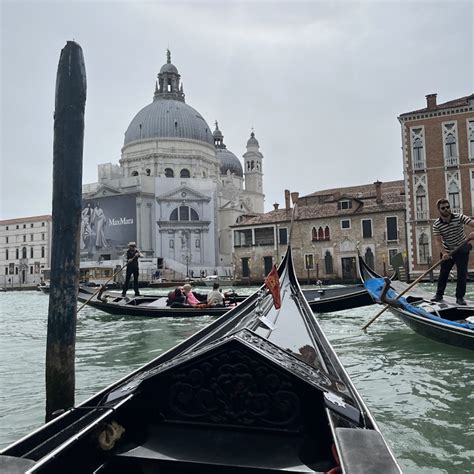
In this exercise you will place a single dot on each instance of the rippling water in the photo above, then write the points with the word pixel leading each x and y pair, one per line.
pixel 419 391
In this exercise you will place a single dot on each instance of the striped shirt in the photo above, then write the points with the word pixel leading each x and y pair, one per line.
pixel 452 232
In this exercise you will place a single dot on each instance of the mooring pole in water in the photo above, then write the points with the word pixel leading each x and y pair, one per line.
pixel 67 204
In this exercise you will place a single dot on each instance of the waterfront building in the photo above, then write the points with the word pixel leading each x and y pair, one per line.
pixel 330 226
pixel 176 190
pixel 438 161
pixel 24 250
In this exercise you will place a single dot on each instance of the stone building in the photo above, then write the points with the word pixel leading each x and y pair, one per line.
pixel 329 227
pixel 24 250
pixel 438 161
pixel 177 187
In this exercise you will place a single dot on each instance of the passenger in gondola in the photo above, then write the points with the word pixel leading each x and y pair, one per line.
pixel 176 298
pixel 215 297
pixel 191 298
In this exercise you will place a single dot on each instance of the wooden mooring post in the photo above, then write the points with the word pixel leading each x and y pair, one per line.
pixel 67 204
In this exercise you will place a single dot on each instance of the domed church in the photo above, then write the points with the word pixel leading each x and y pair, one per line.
pixel 176 190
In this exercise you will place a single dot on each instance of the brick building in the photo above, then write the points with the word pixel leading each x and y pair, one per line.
pixel 329 227
pixel 438 159
pixel 25 245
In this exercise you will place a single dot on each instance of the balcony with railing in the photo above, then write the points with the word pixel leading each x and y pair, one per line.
pixel 451 161
pixel 419 165
pixel 421 215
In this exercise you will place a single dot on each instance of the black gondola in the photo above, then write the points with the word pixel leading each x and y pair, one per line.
pixel 149 306
pixel 321 300
pixel 442 321
pixel 326 300
pixel 258 390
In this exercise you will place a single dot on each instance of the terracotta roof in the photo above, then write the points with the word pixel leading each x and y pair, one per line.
pixel 21 220
pixel 461 102
pixel 393 199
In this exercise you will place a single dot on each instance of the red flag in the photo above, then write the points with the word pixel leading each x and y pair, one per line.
pixel 272 282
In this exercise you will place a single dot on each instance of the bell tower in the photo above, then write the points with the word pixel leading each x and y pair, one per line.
pixel 253 173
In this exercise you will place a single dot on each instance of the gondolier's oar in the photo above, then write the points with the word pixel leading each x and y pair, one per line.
pixel 102 287
pixel 414 283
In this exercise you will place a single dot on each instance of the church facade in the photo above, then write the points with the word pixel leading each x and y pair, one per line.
pixel 186 186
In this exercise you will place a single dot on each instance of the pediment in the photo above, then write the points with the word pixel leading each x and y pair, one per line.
pixel 104 190
pixel 183 193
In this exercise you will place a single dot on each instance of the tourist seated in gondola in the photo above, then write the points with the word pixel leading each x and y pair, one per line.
pixel 191 298
pixel 176 298
pixel 215 298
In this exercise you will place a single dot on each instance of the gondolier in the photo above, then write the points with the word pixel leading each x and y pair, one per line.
pixel 132 268
pixel 448 230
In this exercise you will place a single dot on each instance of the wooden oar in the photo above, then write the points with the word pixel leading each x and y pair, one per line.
pixel 102 287
pixel 413 284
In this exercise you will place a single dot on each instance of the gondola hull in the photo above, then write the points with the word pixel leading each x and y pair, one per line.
pixel 437 330
pixel 444 322
pixel 327 300
pixel 258 390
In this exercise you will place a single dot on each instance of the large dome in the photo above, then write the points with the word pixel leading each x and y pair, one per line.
pixel 228 161
pixel 167 118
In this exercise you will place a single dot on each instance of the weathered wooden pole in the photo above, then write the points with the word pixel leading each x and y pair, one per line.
pixel 67 204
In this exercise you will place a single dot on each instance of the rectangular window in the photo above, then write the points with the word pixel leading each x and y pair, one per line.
pixel 6 270
pixel 264 236
pixel 267 264
pixel 243 238
pixel 32 237
pixel 42 224
pixel 245 267
pixel 42 236
pixel 171 244
pixel 31 225
pixel 31 252
pixel 346 224
pixel 309 261
pixel 366 228
pixel 347 204
pixel 391 254
pixel 283 236
pixel 6 239
pixel 24 238
pixel 392 228
pixel 31 270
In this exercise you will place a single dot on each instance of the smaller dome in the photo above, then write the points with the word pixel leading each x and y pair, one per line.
pixel 168 67
pixel 217 133
pixel 252 141
pixel 229 162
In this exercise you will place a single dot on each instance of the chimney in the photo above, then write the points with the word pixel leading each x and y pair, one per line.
pixel 431 101
pixel 287 199
pixel 378 192
pixel 275 206
pixel 294 197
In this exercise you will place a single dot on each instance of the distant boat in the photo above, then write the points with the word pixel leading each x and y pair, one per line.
pixel 211 279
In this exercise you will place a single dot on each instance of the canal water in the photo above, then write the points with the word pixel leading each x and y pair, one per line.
pixel 419 391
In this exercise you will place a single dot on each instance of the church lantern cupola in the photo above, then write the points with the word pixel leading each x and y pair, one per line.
pixel 168 85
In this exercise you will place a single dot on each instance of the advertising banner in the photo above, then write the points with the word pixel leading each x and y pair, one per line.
pixel 108 224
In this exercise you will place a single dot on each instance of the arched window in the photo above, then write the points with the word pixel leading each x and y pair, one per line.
pixel 417 150
pixel 421 204
pixel 314 234
pixel 184 213
pixel 423 248
pixel 450 146
pixel 453 196
pixel 369 258
pixel 326 233
pixel 169 173
pixel 23 252
pixel 184 173
pixel 328 266
pixel 320 233
pixel 134 173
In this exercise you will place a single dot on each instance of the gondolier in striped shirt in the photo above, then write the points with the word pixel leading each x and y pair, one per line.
pixel 448 229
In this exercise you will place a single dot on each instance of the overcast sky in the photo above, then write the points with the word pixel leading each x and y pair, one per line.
pixel 322 83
